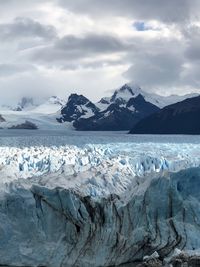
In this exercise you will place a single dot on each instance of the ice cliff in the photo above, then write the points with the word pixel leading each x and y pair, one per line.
pixel 98 205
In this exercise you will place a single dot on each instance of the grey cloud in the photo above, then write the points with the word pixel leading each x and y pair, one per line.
pixel 10 69
pixel 192 39
pixel 91 43
pixel 157 61
pixel 193 52
pixel 191 76
pixel 26 28
pixel 169 11
pixel 21 2
pixel 89 64
pixel 164 65
pixel 156 70
pixel 10 5
pixel 72 48
pixel 156 64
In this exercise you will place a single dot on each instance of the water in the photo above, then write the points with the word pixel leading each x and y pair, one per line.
pixel 27 138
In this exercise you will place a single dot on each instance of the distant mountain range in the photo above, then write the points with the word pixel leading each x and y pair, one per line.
pixel 31 114
pixel 155 99
pixel 180 118
pixel 123 110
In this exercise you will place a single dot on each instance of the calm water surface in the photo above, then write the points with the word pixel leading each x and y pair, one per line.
pixel 28 138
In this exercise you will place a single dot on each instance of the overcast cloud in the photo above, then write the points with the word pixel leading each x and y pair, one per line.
pixel 90 46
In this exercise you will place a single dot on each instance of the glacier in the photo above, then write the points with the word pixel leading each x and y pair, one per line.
pixel 98 204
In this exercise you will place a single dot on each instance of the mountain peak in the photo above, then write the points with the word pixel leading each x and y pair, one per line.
pixel 126 89
pixel 56 100
pixel 126 92
pixel 78 99
pixel 24 103
pixel 77 106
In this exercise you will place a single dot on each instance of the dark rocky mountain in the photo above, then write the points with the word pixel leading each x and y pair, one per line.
pixel 112 119
pixel 119 112
pixel 118 117
pixel 180 118
pixel 76 107
pixel 28 125
pixel 122 111
pixel 2 119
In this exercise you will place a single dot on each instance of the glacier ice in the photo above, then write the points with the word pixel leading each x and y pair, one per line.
pixel 106 167
pixel 98 204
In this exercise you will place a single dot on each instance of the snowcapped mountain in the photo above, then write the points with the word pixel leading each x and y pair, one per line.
pixel 41 115
pixel 163 101
pixel 119 115
pixel 120 97
pixel 121 111
pixel 50 106
pixel 25 103
pixel 77 107
pixel 128 91
pixel 125 108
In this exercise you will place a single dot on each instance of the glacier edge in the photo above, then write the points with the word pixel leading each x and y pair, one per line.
pixel 63 227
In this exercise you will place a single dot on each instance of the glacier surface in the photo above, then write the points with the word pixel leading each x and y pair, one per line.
pixel 96 169
pixel 99 204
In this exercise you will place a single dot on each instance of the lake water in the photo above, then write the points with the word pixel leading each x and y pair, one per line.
pixel 21 138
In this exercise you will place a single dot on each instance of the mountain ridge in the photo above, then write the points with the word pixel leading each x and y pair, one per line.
pixel 121 111
pixel 179 118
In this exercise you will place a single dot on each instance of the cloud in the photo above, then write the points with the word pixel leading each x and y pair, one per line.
pixel 91 43
pixel 169 11
pixel 192 39
pixel 167 65
pixel 154 71
pixel 37 84
pixel 73 51
pixel 58 45
pixel 10 69
pixel 26 28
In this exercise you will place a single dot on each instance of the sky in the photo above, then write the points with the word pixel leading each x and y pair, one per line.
pixel 58 47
